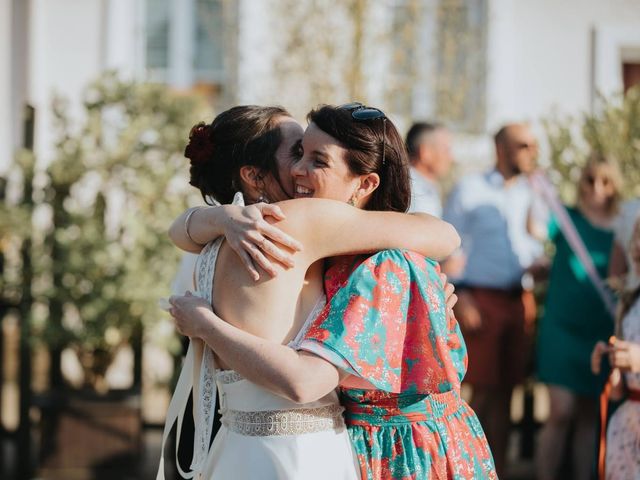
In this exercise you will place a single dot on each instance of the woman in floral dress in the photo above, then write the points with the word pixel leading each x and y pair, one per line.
pixel 384 338
pixel 622 460
pixel 387 327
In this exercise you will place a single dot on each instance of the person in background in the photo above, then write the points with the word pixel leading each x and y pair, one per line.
pixel 575 319
pixel 491 212
pixel 620 259
pixel 623 432
pixel 429 147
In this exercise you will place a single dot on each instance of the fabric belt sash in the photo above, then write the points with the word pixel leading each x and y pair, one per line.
pixel 392 412
pixel 633 395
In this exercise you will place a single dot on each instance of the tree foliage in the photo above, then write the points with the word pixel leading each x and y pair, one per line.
pixel 99 213
pixel 613 130
pixel 410 57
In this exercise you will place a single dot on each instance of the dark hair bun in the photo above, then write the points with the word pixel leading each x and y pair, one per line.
pixel 200 147
pixel 242 135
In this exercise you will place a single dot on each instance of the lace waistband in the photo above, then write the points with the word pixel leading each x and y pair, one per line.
pixel 284 422
pixel 227 377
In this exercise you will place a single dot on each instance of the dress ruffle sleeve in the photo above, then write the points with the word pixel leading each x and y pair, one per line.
pixel 386 322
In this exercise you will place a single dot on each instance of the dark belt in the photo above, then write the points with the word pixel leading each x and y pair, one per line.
pixel 633 395
pixel 513 291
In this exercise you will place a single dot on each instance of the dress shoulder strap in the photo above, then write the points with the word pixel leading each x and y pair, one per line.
pixel 205 268
pixel 201 376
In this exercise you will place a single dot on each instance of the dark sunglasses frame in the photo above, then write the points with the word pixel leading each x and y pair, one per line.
pixel 361 113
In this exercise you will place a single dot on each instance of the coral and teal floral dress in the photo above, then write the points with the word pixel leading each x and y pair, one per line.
pixel 385 323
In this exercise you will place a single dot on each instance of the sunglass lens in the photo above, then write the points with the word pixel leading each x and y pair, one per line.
pixel 368 114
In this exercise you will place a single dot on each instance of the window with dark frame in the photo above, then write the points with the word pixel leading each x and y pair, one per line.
pixel 630 75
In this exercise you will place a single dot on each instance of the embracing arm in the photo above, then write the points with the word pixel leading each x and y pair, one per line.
pixel 299 376
pixel 247 232
pixel 196 227
pixel 332 227
pixel 329 227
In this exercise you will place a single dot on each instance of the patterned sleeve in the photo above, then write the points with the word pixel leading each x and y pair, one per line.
pixel 388 325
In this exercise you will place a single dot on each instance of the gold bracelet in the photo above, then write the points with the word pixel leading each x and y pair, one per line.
pixel 186 225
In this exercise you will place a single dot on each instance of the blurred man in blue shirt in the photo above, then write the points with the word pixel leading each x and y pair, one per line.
pixel 429 147
pixel 493 213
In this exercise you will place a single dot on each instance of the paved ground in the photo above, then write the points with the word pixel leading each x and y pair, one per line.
pixel 519 469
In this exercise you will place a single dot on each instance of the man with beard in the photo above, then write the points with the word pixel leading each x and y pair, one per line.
pixel 493 213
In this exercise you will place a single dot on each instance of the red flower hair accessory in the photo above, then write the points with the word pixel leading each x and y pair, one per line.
pixel 200 146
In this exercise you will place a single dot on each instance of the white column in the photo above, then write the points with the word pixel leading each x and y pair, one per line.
pixel 181 43
pixel 255 53
pixel 123 37
pixel 20 71
pixel 501 58
pixel 424 98
pixel 6 67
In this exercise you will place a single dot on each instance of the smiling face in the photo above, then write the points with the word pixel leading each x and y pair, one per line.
pixel 286 155
pixel 322 171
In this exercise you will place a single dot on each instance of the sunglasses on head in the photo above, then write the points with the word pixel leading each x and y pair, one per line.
pixel 361 113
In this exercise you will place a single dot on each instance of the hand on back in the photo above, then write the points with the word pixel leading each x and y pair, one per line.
pixel 257 242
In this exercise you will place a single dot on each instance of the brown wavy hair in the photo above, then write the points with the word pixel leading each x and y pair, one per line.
pixel 241 136
pixel 364 141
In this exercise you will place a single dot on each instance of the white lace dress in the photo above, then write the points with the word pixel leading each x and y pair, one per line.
pixel 263 436
pixel 623 432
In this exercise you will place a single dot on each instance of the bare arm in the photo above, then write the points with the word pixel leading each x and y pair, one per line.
pixel 335 227
pixel 248 234
pixel 299 376
pixel 204 224
pixel 328 227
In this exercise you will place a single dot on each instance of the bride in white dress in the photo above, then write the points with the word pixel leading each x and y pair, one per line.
pixel 263 435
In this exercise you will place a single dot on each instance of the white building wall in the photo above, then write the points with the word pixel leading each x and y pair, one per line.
pixel 541 55
pixel 66 54
pixel 542 59
pixel 50 47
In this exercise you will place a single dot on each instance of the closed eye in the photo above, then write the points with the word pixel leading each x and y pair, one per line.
pixel 296 151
